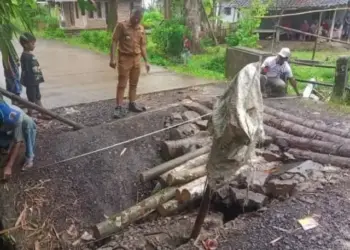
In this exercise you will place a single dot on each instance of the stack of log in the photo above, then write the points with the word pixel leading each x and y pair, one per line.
pixel 182 176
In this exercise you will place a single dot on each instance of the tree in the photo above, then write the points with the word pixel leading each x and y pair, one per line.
pixel 193 22
pixel 16 17
pixel 112 17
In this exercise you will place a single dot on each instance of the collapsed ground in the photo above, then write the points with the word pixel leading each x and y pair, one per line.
pixel 83 191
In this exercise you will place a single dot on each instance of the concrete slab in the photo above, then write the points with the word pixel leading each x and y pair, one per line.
pixel 75 76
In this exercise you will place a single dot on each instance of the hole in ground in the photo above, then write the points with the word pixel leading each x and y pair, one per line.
pixel 233 210
pixel 6 242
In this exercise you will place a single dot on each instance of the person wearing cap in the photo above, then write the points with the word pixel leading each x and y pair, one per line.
pixel 129 36
pixel 16 127
pixel 275 72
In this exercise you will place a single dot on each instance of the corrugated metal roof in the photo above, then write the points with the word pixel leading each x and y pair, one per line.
pixel 297 4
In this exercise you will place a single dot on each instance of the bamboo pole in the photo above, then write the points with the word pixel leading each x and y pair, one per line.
pixel 40 109
pixel 333 23
pixel 317 32
pixel 301 13
pixel 313 35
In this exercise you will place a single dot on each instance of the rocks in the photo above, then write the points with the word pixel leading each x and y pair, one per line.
pixel 176 117
pixel 268 155
pixel 255 200
pixel 258 180
pixel 183 131
pixel 202 124
pixel 277 188
pixel 306 168
pixel 190 115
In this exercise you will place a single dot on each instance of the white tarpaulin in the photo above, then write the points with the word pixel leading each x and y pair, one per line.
pixel 237 125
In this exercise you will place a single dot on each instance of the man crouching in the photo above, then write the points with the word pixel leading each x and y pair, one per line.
pixel 16 128
pixel 275 73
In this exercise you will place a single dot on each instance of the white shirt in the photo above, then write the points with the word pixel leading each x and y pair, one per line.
pixel 275 69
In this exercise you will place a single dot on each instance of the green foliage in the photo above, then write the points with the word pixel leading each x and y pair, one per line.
pixel 216 64
pixel 152 19
pixel 247 23
pixel 100 40
pixel 168 37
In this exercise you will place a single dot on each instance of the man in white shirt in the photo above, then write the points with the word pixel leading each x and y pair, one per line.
pixel 275 72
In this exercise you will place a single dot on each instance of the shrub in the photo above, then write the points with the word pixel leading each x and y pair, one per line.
pixel 98 39
pixel 152 19
pixel 168 37
pixel 216 64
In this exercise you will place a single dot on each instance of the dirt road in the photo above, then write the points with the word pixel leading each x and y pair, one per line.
pixel 75 76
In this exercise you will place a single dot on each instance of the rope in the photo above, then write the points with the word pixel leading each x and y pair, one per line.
pixel 126 141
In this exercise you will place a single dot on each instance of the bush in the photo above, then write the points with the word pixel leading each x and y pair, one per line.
pixel 54 33
pixel 168 37
pixel 217 64
pixel 152 19
pixel 98 39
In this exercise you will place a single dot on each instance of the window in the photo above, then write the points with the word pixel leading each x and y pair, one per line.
pixel 227 11
pixel 99 10
pixel 106 9
pixel 76 7
pixel 91 14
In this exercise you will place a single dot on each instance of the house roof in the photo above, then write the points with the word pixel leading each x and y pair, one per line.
pixel 298 4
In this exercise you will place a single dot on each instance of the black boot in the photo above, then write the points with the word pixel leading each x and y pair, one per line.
pixel 133 107
pixel 120 112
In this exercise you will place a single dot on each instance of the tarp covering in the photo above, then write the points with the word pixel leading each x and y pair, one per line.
pixel 237 126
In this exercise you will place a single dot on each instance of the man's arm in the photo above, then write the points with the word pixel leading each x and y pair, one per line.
pixel 144 51
pixel 293 82
pixel 115 39
pixel 13 156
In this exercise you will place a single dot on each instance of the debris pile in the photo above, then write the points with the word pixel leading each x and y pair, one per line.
pixel 280 168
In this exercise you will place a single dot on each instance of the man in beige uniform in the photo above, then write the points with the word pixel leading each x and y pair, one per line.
pixel 129 37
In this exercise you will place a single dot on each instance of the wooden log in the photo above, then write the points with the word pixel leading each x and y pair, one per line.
pixel 40 109
pixel 172 207
pixel 302 131
pixel 173 149
pixel 185 176
pixel 306 122
pixel 320 158
pixel 197 107
pixel 282 138
pixel 153 173
pixel 195 162
pixel 117 222
pixel 191 190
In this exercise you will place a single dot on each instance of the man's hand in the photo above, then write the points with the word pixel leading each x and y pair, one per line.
pixel 112 64
pixel 148 67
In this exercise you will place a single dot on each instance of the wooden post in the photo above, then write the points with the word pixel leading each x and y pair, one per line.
pixel 332 26
pixel 341 78
pixel 40 109
pixel 167 9
pixel 316 39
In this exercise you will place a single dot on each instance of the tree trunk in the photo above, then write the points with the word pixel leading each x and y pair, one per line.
pixel 191 190
pixel 193 22
pixel 198 161
pixel 171 207
pixel 302 131
pixel 172 149
pixel 153 173
pixel 320 158
pixel 197 107
pixel 307 123
pixel 186 176
pixel 112 17
pixel 330 148
pixel 136 212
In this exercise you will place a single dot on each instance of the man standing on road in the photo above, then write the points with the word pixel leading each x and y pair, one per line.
pixel 275 72
pixel 130 39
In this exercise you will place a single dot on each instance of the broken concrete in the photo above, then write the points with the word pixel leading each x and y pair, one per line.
pixel 306 168
pixel 176 117
pixel 190 115
pixel 253 200
pixel 202 124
